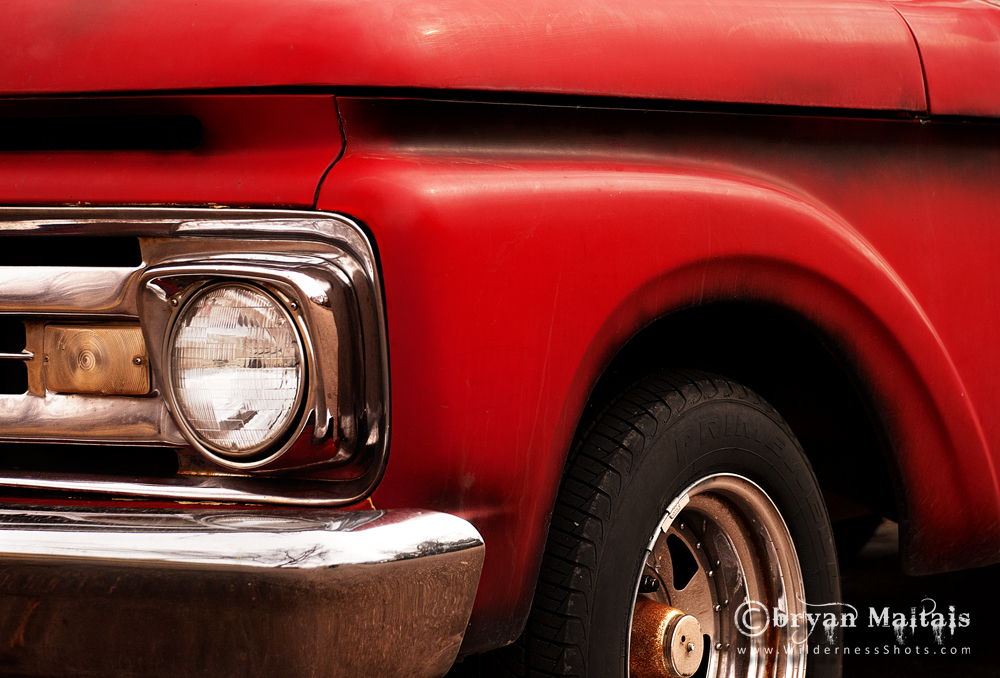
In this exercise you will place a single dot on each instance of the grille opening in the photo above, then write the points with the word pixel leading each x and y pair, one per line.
pixel 12 336
pixel 100 459
pixel 13 377
pixel 100 133
pixel 69 250
pixel 13 373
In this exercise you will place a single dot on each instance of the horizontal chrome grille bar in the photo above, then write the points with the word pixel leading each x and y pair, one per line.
pixel 184 487
pixel 51 290
pixel 23 356
pixel 87 419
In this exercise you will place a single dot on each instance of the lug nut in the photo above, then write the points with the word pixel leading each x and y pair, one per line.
pixel 648 584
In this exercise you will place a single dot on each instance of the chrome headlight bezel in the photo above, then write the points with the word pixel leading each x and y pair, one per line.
pixel 320 304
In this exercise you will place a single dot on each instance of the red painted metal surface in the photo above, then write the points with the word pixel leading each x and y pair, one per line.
pixel 834 53
pixel 516 262
pixel 255 150
pixel 959 42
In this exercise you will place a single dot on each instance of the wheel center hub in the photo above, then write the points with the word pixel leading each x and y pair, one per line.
pixel 665 643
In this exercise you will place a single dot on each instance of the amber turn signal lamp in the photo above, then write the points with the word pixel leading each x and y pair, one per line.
pixel 104 359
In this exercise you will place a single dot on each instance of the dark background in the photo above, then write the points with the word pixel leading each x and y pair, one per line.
pixel 874 579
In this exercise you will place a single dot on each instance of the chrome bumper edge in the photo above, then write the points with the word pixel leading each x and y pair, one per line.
pixel 227 591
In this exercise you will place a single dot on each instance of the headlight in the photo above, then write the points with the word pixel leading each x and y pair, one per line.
pixel 236 369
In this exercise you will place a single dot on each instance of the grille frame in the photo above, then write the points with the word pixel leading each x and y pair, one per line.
pixel 191 247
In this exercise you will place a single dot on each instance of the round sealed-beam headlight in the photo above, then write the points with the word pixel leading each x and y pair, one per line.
pixel 236 369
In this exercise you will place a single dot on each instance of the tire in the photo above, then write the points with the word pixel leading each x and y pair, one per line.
pixel 676 437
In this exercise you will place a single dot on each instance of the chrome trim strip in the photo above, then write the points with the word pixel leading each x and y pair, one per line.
pixel 235 489
pixel 24 356
pixel 300 228
pixel 213 592
pixel 57 418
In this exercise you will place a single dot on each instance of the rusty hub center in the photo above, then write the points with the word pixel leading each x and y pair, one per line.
pixel 665 643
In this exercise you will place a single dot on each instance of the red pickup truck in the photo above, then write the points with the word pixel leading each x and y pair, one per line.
pixel 342 337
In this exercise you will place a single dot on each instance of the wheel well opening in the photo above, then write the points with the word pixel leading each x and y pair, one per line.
pixel 786 362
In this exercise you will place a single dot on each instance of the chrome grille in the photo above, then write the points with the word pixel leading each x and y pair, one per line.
pixel 40 295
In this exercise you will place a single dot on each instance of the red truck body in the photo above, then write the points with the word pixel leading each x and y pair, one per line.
pixel 546 181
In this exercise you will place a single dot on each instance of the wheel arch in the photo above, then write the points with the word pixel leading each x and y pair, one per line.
pixel 841 306
pixel 791 364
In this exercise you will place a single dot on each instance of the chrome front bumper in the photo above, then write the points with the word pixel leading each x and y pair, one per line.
pixel 230 592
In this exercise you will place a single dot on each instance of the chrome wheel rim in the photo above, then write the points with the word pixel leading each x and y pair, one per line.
pixel 723 555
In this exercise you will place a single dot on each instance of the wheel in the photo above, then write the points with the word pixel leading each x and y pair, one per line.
pixel 688 531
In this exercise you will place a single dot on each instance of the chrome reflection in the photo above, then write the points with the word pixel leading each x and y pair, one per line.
pixel 212 592
pixel 86 419
pixel 235 489
pixel 233 539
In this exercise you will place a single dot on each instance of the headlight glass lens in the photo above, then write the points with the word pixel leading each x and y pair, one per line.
pixel 236 368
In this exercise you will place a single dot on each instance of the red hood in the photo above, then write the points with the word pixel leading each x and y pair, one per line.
pixel 960 49
pixel 836 53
